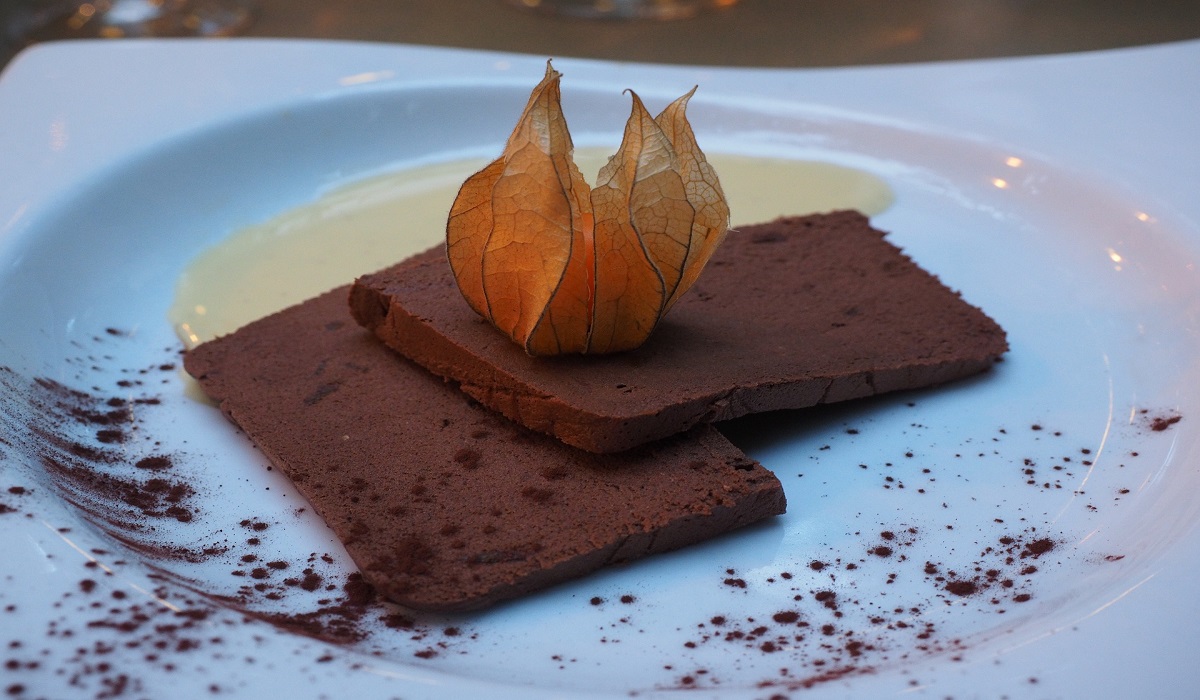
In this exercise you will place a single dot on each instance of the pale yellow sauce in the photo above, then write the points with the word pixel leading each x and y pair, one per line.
pixel 374 223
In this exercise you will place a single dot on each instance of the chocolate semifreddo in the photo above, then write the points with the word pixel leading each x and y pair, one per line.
pixel 444 505
pixel 788 314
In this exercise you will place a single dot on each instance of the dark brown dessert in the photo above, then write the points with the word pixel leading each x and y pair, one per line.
pixel 443 504
pixel 789 314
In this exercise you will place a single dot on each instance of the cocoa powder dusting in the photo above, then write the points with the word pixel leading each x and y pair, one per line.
pixel 93 450
pixel 832 615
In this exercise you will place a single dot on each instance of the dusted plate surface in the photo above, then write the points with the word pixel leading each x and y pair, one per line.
pixel 1032 532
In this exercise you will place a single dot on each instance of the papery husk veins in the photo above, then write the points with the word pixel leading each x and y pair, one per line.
pixel 563 268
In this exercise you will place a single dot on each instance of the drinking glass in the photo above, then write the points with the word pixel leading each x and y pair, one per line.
pixel 137 18
pixel 623 9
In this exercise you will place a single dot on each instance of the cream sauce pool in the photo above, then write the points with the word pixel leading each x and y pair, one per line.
pixel 371 224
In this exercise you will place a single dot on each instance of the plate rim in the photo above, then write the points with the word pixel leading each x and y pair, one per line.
pixel 75 166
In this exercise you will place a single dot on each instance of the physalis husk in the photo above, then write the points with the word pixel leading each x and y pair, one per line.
pixel 564 268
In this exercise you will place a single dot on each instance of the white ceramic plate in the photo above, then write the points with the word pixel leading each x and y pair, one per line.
pixel 1057 193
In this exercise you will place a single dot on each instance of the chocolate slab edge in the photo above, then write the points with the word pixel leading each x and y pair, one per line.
pixel 901 329
pixel 442 504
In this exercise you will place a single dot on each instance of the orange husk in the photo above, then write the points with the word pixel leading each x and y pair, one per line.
pixel 561 268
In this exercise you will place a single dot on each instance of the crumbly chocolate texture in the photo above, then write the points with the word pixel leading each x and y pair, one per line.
pixel 443 504
pixel 789 314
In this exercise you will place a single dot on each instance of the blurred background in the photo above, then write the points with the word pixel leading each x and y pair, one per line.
pixel 785 33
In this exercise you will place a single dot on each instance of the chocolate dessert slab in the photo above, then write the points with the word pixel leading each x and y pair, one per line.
pixel 788 314
pixel 443 504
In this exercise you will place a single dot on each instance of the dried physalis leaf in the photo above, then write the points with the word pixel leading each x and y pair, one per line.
pixel 563 269
pixel 703 192
pixel 519 234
